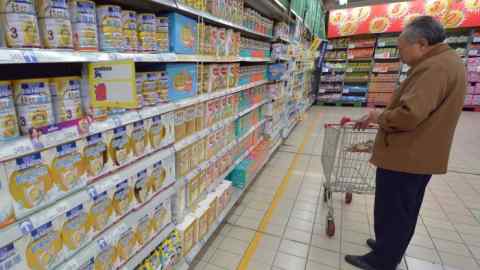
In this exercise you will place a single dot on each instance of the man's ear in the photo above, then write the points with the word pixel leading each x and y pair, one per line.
pixel 423 42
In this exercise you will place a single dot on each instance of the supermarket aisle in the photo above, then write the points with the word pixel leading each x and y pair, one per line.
pixel 279 224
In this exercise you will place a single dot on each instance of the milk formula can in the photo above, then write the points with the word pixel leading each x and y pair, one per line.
pixel 84 25
pixel 34 104
pixel 56 33
pixel 8 116
pixel 21 30
pixel 67 103
pixel 147 32
pixel 129 26
pixel 52 9
pixel 109 19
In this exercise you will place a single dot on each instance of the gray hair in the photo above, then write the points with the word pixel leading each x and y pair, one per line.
pixel 425 27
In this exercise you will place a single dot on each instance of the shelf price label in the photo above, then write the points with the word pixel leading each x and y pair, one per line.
pixel 381 44
pixel 112 84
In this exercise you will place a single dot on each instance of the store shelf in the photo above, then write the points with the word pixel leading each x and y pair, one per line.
pixel 202 134
pixel 138 257
pixel 30 56
pixel 185 262
pixel 204 165
pixel 25 145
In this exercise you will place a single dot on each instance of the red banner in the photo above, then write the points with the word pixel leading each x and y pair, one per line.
pixel 388 18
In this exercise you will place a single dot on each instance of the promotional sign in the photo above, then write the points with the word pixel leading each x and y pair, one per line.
pixel 388 18
pixel 112 84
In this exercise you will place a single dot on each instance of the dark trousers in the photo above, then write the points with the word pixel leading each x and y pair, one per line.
pixel 398 198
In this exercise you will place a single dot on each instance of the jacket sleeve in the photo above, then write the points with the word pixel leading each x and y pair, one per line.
pixel 417 104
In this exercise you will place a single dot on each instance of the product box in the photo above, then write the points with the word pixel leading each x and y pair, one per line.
pixel 182 34
pixel 190 120
pixel 94 150
pixel 122 200
pixel 188 231
pixel 26 183
pixel 200 115
pixel 119 147
pixel 138 138
pixel 202 219
pixel 141 190
pixel 124 240
pixel 211 203
pixel 180 127
pixel 161 172
pixel 182 81
pixel 100 207
pixel 183 161
pixel 161 215
pixel 67 167
pixel 161 130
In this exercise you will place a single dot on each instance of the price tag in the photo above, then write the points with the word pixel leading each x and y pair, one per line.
pixel 476 39
pixel 16 148
pixel 346 91
pixel 129 117
pixel 351 46
pixel 329 47
pixel 381 44
pixel 62 135
pixel 29 57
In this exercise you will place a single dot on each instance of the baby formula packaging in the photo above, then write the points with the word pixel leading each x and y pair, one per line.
pixel 67 103
pixel 34 103
pixel 8 116
pixel 109 19
pixel 52 9
pixel 147 32
pixel 21 30
pixel 162 34
pixel 84 25
pixel 129 27
pixel 56 33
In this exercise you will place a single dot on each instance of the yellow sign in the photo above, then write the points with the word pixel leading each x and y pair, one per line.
pixel 315 44
pixel 112 84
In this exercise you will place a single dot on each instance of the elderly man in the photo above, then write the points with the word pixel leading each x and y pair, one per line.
pixel 414 140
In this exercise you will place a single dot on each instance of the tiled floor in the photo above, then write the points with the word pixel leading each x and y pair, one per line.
pixel 447 235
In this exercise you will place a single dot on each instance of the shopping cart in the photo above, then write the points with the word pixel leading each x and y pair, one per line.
pixel 345 160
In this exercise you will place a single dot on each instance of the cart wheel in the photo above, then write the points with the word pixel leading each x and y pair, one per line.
pixel 327 194
pixel 348 197
pixel 330 229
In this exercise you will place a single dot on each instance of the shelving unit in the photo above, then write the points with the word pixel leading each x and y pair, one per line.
pixel 155 166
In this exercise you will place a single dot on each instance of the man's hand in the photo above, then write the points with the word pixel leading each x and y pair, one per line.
pixel 368 119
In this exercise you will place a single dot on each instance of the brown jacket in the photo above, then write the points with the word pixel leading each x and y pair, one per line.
pixel 417 128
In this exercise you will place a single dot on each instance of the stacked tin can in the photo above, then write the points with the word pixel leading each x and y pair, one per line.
pixel 162 34
pixel 19 22
pixel 110 31
pixel 147 83
pixel 147 32
pixel 67 103
pixel 8 116
pixel 84 25
pixel 54 23
pixel 129 27
pixel 33 101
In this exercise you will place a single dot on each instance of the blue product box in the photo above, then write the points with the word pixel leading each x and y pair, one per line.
pixel 182 34
pixel 182 81
pixel 276 71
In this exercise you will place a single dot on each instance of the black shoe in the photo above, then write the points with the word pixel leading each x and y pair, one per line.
pixel 372 244
pixel 359 262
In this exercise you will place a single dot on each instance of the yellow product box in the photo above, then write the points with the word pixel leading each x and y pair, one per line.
pixel 27 183
pixel 99 254
pixel 161 130
pixel 190 117
pixel 138 138
pixel 211 145
pixel 215 78
pixel 123 238
pixel 202 181
pixel 129 27
pixel 193 191
pixel 210 203
pixel 143 225
pixel 202 219
pixel 203 150
pixel 94 150
pixel 182 162
pixel 210 177
pixel 66 96
pixel 68 168
pixel 122 199
pixel 180 127
pixel 200 116
pixel 45 239
pixel 141 190
pixel 100 207
pixel 119 146
pixel 161 215
pixel 161 173
pixel 188 231
pixel 223 192
pixel 162 34
pixel 196 151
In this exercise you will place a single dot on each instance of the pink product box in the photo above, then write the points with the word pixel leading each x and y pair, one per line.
pixel 468 100
pixel 474 77
pixel 476 100
pixel 473 61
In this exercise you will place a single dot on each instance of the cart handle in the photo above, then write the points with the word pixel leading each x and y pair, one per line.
pixel 347 121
